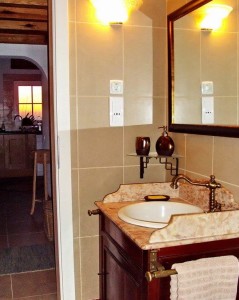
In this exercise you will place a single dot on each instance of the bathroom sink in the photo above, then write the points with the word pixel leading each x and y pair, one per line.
pixel 155 214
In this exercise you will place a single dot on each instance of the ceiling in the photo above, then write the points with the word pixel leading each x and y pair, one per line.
pixel 24 22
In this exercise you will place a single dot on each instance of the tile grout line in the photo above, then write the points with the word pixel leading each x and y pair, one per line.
pixel 11 286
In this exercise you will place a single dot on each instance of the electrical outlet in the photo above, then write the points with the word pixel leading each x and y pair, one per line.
pixel 207 87
pixel 116 87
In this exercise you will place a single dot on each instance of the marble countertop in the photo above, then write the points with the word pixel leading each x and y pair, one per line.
pixel 182 229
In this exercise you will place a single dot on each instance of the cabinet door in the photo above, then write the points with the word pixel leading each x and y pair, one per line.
pixel 119 282
pixel 30 148
pixel 15 152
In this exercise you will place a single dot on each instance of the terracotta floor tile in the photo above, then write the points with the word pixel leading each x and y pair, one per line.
pixel 43 297
pixel 27 239
pixel 3 241
pixel 3 226
pixel 19 228
pixel 5 287
pixel 34 283
pixel 25 226
pixel 25 216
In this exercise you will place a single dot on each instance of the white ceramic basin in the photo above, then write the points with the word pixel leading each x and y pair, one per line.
pixel 155 214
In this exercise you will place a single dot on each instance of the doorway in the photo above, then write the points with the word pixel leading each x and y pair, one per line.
pixel 15 40
pixel 26 248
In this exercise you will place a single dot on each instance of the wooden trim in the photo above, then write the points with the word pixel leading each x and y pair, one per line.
pixel 11 38
pixel 52 142
pixel 24 22
pixel 26 2
pixel 21 13
pixel 23 26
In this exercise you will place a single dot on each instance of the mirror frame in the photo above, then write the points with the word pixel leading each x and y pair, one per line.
pixel 214 130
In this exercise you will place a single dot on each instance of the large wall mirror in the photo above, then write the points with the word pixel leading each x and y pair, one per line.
pixel 203 70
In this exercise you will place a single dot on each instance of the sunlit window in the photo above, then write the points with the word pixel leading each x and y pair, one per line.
pixel 30 101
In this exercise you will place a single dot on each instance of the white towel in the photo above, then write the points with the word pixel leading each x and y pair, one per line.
pixel 212 278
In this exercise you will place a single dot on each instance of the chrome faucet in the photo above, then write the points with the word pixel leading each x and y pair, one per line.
pixel 211 185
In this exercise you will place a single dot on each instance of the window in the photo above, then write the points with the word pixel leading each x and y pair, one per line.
pixel 29 99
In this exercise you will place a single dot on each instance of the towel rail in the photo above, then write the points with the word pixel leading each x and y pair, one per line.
pixel 160 273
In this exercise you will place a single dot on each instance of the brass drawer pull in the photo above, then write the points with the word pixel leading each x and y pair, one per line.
pixel 93 212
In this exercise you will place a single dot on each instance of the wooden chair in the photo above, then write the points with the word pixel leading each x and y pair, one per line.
pixel 41 156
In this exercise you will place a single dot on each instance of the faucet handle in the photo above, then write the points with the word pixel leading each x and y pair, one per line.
pixel 213 183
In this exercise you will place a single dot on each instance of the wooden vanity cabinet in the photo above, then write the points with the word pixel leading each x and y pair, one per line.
pixel 123 264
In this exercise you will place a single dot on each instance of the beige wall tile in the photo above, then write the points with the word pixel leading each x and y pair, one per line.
pixel 148 14
pixel 159 115
pixel 72 58
pixel 138 110
pixel 225 109
pixel 220 48
pixel 73 120
pixel 194 176
pixel 153 173
pixel 74 149
pixel 138 61
pixel 160 65
pixel 187 74
pixel 71 10
pixel 172 5
pixel 77 265
pixel 229 24
pixel 75 202
pixel 226 163
pixel 102 147
pixel 90 268
pixel 94 184
pixel 85 12
pixel 99 58
pixel 93 112
pixel 188 110
pixel 180 148
pixel 73 112
pixel 199 154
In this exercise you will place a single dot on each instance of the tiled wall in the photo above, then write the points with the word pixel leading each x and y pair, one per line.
pixel 136 53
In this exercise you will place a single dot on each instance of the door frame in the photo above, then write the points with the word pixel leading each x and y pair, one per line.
pixel 60 146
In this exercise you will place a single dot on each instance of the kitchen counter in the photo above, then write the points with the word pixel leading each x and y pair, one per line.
pixel 182 229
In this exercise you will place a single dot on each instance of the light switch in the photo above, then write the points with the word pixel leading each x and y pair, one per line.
pixel 207 110
pixel 207 87
pixel 116 87
pixel 116 111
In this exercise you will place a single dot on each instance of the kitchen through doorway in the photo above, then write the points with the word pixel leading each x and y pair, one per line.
pixel 26 241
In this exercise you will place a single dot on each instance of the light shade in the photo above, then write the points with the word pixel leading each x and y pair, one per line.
pixel 115 11
pixel 214 14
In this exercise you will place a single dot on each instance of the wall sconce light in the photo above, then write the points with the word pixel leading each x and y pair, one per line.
pixel 214 14
pixel 115 11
